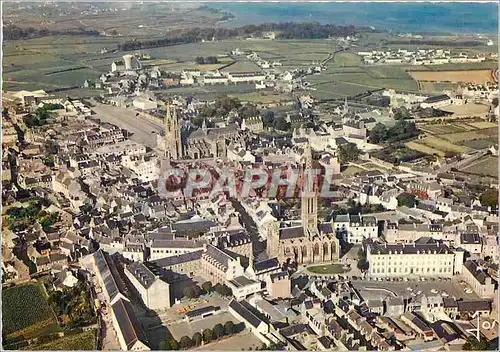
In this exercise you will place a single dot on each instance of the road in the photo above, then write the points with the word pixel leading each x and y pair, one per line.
pixel 142 130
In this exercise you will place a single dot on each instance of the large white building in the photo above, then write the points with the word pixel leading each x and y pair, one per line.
pixel 355 228
pixel 155 292
pixel 399 260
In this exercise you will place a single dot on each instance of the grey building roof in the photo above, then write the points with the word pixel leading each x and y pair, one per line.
pixel 409 249
pixel 477 271
pixel 129 326
pixel 177 243
pixel 470 238
pixel 218 255
pixel 474 306
pixel 279 276
pixel 291 232
pixel 242 281
pixel 142 274
pixel 246 314
pixel 201 311
pixel 266 265
pixel 178 259
pixel 113 284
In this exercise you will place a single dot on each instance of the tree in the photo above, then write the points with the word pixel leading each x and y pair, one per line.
pixel 268 118
pixel 185 342
pixel 211 60
pixel 248 111
pixel 229 328
pixel 406 199
pixel 208 335
pixel 223 290
pixel 378 133
pixel 165 345
pixel 218 331
pixel 281 124
pixel 192 291
pixel 348 152
pixel 473 344
pixel 363 264
pixel 174 344
pixel 199 60
pixel 489 198
pixel 197 339
pixel 207 286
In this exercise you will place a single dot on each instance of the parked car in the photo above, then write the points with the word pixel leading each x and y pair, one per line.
pixel 434 291
pixel 444 294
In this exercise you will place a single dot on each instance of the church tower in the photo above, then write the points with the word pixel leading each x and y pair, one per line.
pixel 309 198
pixel 173 146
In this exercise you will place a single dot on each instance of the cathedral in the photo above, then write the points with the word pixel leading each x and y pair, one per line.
pixel 302 242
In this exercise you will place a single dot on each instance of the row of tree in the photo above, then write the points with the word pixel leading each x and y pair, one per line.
pixel 288 30
pixel 12 32
pixel 402 130
pixel 198 338
pixel 195 291
pixel 200 60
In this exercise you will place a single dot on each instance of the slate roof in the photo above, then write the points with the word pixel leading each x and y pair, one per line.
pixel 291 232
pixel 409 249
pixel 178 259
pixel 218 255
pixel 113 284
pixel 130 327
pixel 246 314
pixel 266 265
pixel 142 274
pixel 475 269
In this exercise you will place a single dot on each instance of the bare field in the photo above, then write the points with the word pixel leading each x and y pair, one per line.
pixel 482 124
pixel 464 136
pixel 476 76
pixel 442 145
pixel 488 166
pixel 262 97
pixel 423 148
pixel 467 109
pixel 480 143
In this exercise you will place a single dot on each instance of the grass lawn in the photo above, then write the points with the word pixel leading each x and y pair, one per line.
pixel 327 269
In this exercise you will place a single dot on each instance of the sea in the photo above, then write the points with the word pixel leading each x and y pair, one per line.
pixel 436 17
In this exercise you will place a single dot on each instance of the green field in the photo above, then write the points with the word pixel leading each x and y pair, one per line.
pixel 83 341
pixel 25 312
pixel 327 269
pixel 480 143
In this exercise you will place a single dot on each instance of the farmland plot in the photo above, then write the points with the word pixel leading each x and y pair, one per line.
pixel 22 319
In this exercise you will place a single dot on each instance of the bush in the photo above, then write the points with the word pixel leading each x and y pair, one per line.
pixel 197 339
pixel 185 342
pixel 218 331
pixel 207 286
pixel 208 335
pixel 229 328
pixel 192 291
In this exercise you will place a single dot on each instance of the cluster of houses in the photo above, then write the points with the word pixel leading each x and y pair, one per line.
pixel 418 57
pixel 113 219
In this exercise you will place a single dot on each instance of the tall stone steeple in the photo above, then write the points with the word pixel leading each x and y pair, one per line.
pixel 173 146
pixel 309 197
